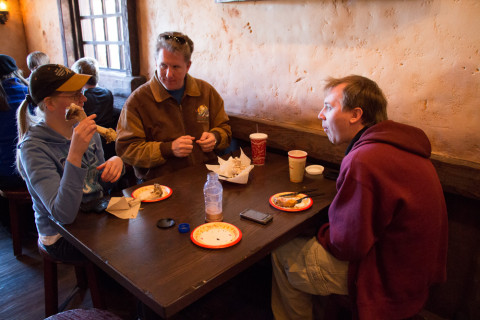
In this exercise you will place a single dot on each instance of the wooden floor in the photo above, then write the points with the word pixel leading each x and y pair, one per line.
pixel 21 289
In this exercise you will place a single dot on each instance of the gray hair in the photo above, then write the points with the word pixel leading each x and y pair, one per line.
pixel 88 66
pixel 36 59
pixel 175 42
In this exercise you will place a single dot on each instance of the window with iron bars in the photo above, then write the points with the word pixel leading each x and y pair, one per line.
pixel 102 32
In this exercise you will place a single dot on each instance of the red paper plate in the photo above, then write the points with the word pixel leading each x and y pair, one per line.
pixel 303 205
pixel 216 235
pixel 143 191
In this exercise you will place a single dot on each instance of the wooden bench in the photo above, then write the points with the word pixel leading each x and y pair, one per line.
pixel 457 176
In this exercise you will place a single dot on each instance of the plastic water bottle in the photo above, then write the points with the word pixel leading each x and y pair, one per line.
pixel 213 192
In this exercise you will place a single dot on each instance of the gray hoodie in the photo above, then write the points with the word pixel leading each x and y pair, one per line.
pixel 58 187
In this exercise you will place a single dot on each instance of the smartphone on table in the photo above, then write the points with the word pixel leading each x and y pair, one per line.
pixel 256 216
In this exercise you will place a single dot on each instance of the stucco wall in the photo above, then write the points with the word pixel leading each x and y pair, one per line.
pixel 42 28
pixel 268 59
pixel 12 37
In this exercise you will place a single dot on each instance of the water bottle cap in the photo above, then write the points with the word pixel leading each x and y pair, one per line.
pixel 183 227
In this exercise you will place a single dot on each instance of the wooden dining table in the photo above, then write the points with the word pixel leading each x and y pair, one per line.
pixel 163 268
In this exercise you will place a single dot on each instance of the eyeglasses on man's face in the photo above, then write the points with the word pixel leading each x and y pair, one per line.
pixel 179 40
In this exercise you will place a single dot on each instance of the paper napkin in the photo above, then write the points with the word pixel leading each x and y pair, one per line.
pixel 228 169
pixel 124 207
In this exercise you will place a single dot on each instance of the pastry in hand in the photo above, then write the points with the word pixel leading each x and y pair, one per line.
pixel 77 113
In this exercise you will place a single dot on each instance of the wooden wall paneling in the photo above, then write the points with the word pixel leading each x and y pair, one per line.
pixel 457 176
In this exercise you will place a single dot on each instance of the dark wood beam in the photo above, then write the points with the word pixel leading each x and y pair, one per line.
pixel 456 175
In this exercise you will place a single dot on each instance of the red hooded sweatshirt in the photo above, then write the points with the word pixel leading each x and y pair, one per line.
pixel 389 220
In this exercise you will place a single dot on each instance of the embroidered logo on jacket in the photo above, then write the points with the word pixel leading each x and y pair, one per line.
pixel 202 114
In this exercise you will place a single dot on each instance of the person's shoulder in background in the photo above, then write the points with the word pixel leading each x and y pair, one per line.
pixel 100 102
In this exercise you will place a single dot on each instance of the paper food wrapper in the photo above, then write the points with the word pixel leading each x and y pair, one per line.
pixel 226 169
pixel 124 207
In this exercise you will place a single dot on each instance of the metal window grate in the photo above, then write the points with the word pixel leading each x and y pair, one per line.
pixel 102 23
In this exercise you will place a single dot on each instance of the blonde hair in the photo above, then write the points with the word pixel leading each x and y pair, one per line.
pixel 24 121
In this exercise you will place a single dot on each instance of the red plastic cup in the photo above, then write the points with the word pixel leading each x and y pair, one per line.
pixel 259 148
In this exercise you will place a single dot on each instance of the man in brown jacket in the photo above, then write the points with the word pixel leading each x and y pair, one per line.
pixel 174 120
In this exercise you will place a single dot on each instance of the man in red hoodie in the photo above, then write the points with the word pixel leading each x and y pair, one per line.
pixel 386 240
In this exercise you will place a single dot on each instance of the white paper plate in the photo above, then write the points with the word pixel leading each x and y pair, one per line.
pixel 216 235
pixel 145 191
pixel 303 205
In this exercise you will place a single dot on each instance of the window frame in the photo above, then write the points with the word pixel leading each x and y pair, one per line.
pixel 89 21
pixel 71 32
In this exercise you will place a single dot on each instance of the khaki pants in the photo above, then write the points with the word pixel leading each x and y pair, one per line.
pixel 302 268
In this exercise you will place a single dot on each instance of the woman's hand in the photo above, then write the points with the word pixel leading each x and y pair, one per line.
pixel 82 134
pixel 112 169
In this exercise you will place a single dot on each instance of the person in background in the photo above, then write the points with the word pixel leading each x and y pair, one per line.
pixel 36 59
pixel 174 120
pixel 62 163
pixel 13 88
pixel 99 100
pixel 386 240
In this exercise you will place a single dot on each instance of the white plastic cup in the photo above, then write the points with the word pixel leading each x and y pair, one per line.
pixel 296 165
